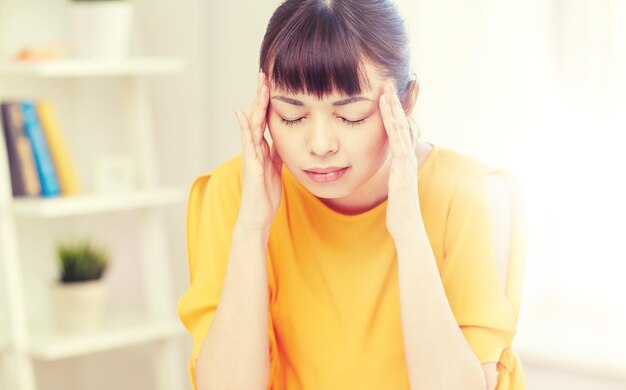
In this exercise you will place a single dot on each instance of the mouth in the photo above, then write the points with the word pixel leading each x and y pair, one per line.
pixel 323 175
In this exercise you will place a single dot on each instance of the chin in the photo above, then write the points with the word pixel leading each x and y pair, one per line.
pixel 326 191
pixel 329 193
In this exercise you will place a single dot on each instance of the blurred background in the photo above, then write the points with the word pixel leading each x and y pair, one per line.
pixel 536 87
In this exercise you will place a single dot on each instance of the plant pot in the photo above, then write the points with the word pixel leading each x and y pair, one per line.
pixel 79 307
pixel 101 29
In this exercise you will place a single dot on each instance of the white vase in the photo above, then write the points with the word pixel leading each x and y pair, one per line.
pixel 79 307
pixel 101 29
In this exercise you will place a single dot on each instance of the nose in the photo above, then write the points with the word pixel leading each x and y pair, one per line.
pixel 321 140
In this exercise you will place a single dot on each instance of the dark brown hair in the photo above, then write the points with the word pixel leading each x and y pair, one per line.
pixel 319 46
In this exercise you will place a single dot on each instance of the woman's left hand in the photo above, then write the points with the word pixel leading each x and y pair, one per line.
pixel 403 208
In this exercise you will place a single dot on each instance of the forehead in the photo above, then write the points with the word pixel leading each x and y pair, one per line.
pixel 373 85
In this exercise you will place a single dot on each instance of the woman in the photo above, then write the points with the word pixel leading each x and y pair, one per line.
pixel 349 254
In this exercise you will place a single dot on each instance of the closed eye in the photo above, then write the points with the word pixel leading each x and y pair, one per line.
pixel 353 123
pixel 288 122
pixel 291 122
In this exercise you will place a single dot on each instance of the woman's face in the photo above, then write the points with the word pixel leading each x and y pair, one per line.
pixel 339 132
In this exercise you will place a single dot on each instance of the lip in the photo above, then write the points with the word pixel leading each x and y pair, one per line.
pixel 324 170
pixel 324 175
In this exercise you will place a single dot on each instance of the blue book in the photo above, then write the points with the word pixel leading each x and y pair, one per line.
pixel 45 166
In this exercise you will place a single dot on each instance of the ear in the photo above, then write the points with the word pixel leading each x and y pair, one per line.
pixel 410 95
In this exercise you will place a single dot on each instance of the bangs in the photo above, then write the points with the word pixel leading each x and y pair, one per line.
pixel 314 55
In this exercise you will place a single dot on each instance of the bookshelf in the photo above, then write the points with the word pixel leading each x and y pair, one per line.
pixel 95 204
pixel 92 68
pixel 49 345
pixel 24 338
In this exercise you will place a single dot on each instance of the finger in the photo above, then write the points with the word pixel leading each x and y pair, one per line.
pixel 395 142
pixel 249 113
pixel 277 161
pixel 400 117
pixel 247 144
pixel 259 110
pixel 412 132
pixel 256 95
pixel 265 149
pixel 398 125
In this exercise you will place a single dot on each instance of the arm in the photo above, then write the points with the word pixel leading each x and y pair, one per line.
pixel 433 340
pixel 235 351
pixel 499 202
pixel 437 355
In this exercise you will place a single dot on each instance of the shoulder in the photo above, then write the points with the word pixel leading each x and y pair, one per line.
pixel 449 174
pixel 466 175
pixel 227 170
pixel 485 201
pixel 217 189
pixel 460 164
pixel 226 176
pixel 480 196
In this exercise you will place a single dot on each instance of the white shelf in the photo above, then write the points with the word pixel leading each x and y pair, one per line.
pixel 92 68
pixel 95 203
pixel 53 346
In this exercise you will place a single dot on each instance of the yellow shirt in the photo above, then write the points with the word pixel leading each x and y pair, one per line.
pixel 334 307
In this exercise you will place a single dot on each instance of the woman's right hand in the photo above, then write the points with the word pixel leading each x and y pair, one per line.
pixel 261 166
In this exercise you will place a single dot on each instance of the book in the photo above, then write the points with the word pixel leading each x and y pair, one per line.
pixel 24 176
pixel 64 166
pixel 43 161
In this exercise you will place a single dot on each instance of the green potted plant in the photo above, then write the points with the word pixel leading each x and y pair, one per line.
pixel 101 29
pixel 79 295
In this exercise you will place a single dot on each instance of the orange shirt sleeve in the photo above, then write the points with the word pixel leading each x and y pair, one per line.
pixel 485 311
pixel 212 211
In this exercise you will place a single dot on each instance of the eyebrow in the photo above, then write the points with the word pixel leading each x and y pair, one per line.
pixel 295 102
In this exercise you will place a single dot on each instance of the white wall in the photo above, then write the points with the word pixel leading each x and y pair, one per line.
pixel 537 87
pixel 233 31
